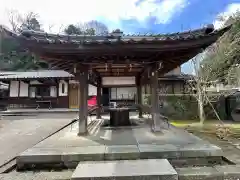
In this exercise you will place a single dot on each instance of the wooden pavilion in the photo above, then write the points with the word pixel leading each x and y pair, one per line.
pixel 117 59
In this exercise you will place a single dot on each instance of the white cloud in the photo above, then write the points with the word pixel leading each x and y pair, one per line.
pixel 231 9
pixel 73 11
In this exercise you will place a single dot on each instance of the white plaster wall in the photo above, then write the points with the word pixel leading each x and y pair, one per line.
pixel 92 90
pixel 60 88
pixel 53 91
pixel 113 93
pixel 23 89
pixel 123 92
pixel 175 71
pixel 32 92
pixel 14 89
pixel 118 80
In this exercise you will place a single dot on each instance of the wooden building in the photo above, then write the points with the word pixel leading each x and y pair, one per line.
pixel 118 60
pixel 28 89
pixel 45 88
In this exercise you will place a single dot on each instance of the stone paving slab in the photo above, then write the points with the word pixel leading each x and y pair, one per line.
pixel 158 151
pixel 119 144
pixel 110 137
pixel 127 152
pixel 199 173
pixel 40 155
pixel 89 153
pixel 154 169
pixel 202 150
pixel 173 151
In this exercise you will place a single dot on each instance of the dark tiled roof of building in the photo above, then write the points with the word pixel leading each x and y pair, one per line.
pixel 3 85
pixel 177 77
pixel 113 39
pixel 4 75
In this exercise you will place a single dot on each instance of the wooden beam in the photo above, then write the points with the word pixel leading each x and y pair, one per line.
pixel 102 65
pixel 119 70
pixel 118 74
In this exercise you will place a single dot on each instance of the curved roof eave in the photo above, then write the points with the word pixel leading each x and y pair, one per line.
pixel 110 39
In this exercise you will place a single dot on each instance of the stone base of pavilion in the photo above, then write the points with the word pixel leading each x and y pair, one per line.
pixel 65 149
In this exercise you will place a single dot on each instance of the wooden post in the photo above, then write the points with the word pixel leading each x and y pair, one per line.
pixel 154 101
pixel 83 106
pixel 139 95
pixel 99 85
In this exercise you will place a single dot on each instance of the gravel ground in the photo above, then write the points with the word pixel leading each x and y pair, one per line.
pixel 18 133
pixel 62 175
pixel 229 146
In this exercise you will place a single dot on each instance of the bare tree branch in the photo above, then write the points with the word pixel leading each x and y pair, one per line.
pixel 50 27
pixel 60 30
pixel 19 22
pixel 13 18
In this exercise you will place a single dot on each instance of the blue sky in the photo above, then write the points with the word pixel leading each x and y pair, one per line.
pixel 193 14
pixel 131 16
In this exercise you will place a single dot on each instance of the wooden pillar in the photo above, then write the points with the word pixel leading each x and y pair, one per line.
pixel 99 85
pixel 83 106
pixel 139 95
pixel 154 101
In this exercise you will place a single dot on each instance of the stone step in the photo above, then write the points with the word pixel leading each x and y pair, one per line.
pixel 70 156
pixel 159 169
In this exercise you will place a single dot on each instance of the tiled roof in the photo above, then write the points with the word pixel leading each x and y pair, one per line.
pixel 177 77
pixel 43 37
pixel 35 74
pixel 3 85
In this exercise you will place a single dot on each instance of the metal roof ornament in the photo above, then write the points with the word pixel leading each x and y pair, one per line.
pixel 209 28
pixel 117 33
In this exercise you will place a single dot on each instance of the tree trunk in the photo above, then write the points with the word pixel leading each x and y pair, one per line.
pixel 201 107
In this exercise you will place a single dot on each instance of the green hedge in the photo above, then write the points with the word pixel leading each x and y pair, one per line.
pixel 179 107
pixel 185 107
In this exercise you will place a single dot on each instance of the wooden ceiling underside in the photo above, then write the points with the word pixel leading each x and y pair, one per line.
pixel 121 65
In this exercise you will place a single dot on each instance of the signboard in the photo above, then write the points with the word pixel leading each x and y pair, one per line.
pixel 109 81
